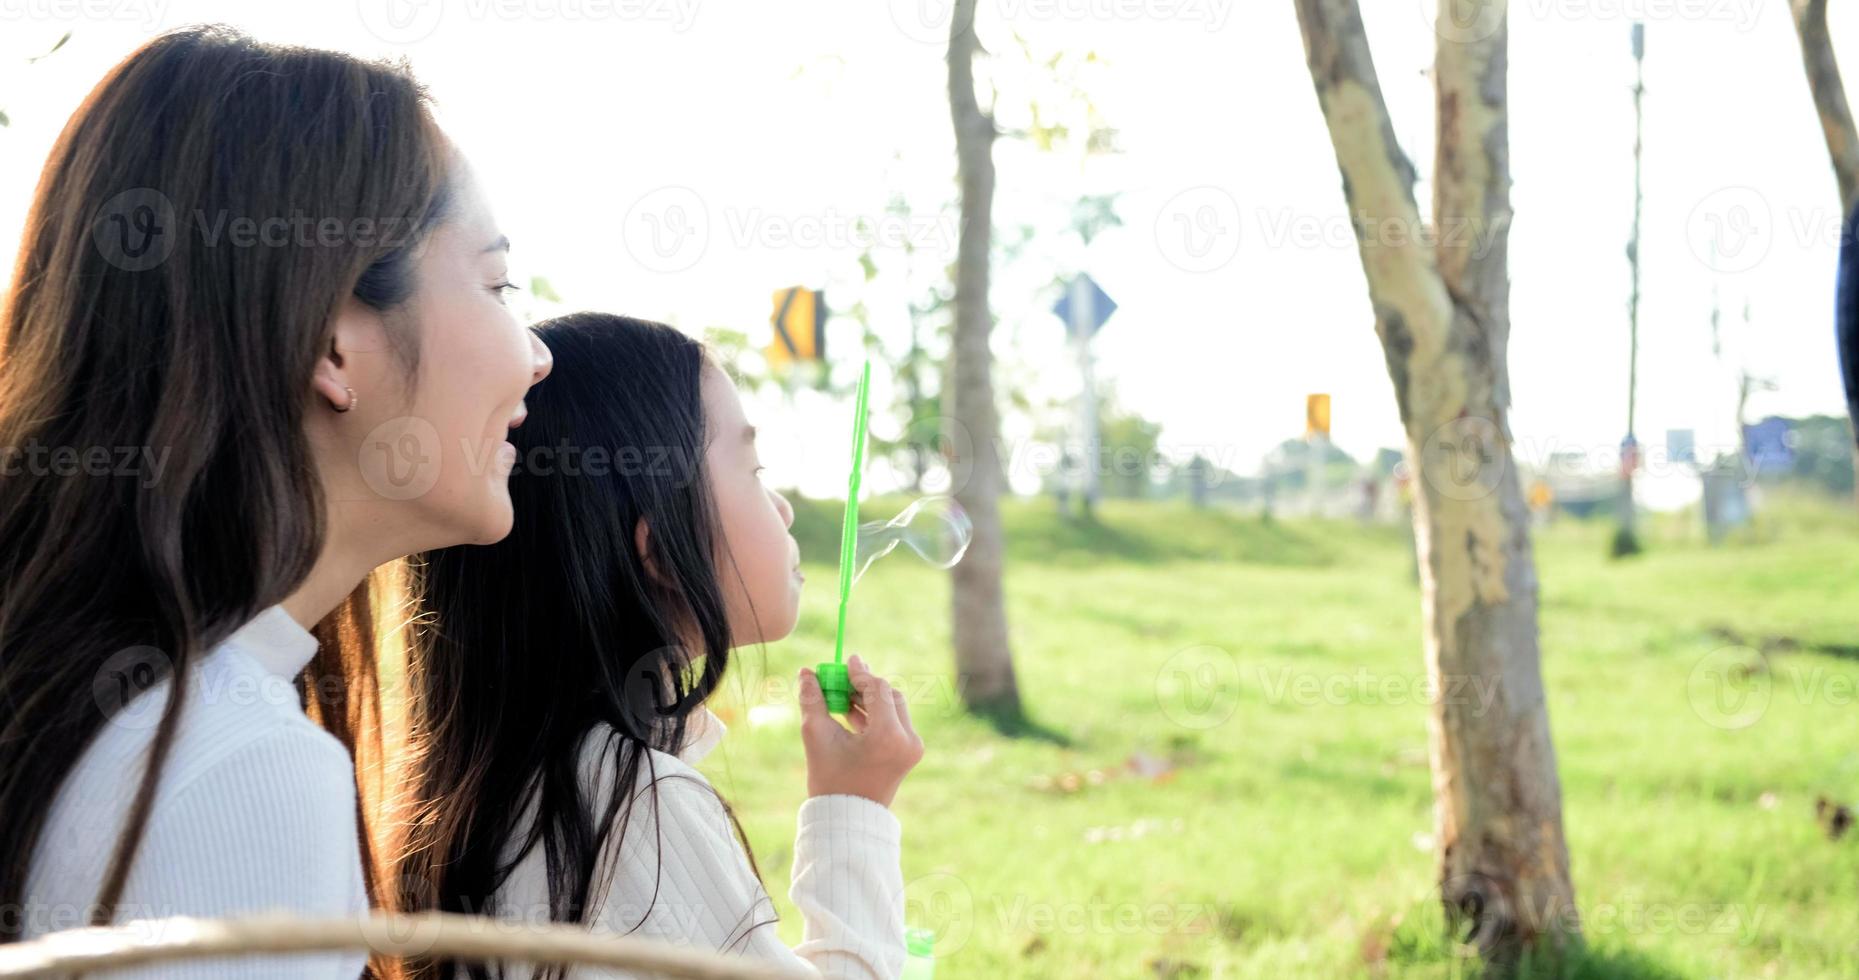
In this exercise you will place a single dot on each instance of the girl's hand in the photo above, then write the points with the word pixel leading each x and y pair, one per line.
pixel 872 758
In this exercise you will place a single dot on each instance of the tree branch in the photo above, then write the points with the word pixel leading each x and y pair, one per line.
pixel 1823 78
pixel 1471 174
pixel 1413 312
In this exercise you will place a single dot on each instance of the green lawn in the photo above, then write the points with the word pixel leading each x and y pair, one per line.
pixel 1267 679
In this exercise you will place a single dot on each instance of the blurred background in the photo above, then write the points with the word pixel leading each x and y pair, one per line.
pixel 1178 694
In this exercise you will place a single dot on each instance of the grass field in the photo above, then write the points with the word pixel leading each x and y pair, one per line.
pixel 1227 776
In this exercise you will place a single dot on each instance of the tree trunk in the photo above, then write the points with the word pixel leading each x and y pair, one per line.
pixel 1442 313
pixel 1823 79
pixel 1836 122
pixel 913 385
pixel 983 661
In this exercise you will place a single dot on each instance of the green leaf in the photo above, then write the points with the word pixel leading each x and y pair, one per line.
pixel 539 287
pixel 55 47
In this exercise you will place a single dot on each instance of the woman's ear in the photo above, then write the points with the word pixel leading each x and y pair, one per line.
pixel 642 541
pixel 330 380
pixel 356 328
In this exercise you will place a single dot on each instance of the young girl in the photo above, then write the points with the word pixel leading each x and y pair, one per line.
pixel 250 272
pixel 559 697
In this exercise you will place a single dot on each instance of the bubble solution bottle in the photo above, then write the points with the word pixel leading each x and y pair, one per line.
pixel 921 965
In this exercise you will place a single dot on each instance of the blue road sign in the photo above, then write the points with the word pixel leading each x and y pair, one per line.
pixel 1771 446
pixel 1101 306
pixel 1681 445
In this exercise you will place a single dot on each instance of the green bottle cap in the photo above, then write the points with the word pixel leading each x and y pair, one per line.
pixel 921 942
pixel 836 685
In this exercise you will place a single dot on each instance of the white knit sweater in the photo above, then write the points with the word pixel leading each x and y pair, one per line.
pixel 255 811
pixel 681 875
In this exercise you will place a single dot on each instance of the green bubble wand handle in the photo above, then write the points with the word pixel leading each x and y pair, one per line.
pixel 835 683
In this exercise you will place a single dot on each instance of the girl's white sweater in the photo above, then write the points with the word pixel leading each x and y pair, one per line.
pixel 679 873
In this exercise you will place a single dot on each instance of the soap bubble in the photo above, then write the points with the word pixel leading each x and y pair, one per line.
pixel 935 527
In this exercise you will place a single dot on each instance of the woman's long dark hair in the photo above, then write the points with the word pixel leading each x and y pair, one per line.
pixel 135 320
pixel 565 629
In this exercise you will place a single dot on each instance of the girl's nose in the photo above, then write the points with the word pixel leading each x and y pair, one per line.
pixel 542 360
pixel 785 508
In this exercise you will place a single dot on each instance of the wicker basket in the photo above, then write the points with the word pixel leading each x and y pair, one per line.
pixel 458 937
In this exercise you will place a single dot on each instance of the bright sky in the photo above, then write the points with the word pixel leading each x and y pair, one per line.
pixel 753 136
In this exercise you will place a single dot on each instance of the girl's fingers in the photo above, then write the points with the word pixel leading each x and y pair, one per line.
pixel 903 710
pixel 811 701
pixel 813 713
pixel 875 696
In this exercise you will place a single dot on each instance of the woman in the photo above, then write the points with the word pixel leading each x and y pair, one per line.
pixel 259 300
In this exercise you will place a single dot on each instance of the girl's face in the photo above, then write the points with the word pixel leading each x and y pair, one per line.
pixel 430 460
pixel 759 567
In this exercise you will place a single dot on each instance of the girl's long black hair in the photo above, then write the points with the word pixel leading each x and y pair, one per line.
pixel 566 628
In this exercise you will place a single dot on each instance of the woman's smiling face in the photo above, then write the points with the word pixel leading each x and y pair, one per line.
pixel 433 443
pixel 758 565
pixel 477 363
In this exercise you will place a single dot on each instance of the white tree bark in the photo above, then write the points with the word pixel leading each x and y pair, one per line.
pixel 1823 79
pixel 1441 301
pixel 983 659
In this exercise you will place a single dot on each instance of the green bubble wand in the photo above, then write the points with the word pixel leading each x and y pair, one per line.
pixel 835 683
